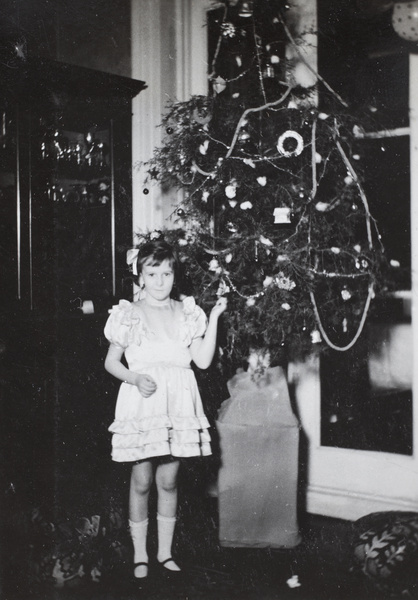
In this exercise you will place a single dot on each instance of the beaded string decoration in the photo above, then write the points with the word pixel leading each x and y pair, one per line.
pixel 370 293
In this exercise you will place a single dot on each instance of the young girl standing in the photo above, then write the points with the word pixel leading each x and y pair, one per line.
pixel 159 416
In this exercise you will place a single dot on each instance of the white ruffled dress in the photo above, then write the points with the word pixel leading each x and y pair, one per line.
pixel 171 421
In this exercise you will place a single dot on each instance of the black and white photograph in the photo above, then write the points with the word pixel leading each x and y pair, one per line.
pixel 209 296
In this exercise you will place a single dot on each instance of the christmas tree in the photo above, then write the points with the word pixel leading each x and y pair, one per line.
pixel 274 211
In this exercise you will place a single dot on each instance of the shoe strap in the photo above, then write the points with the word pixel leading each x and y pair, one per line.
pixel 167 560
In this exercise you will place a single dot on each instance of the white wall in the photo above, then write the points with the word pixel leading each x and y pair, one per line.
pixel 169 54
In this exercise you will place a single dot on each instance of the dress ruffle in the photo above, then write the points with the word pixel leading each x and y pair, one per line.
pixel 160 436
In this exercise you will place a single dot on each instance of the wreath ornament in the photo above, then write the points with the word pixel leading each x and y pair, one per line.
pixel 290 135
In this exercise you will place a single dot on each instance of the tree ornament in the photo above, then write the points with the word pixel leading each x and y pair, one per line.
pixel 203 148
pixel 153 173
pixel 282 215
pixel 265 241
pixel 214 266
pixel 247 205
pixel 315 337
pixel 169 130
pixel 223 289
pixel 268 72
pixel 283 282
pixel 231 190
pixel 202 119
pixel 246 9
pixel 219 85
pixel 322 206
pixel 405 20
pixel 180 212
pixel 145 191
pixel 228 29
pixel 290 135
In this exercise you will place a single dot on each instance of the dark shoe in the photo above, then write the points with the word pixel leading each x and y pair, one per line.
pixel 166 570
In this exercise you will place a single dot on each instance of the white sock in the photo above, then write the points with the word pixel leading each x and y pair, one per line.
pixel 166 527
pixel 139 530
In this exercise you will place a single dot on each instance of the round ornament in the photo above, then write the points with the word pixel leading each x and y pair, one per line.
pixel 169 130
pixel 405 20
pixel 201 118
pixel 145 191
pixel 282 143
pixel 180 212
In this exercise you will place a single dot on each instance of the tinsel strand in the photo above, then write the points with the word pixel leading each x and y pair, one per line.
pixel 324 334
pixel 257 53
pixel 234 289
pixel 253 110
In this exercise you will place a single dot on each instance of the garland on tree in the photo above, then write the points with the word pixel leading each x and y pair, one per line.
pixel 274 211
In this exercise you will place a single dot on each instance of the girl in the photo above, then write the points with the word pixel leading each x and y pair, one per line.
pixel 159 415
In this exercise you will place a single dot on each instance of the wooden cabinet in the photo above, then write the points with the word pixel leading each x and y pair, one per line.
pixel 65 184
pixel 65 214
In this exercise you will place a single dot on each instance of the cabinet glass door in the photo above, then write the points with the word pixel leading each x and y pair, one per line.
pixel 73 216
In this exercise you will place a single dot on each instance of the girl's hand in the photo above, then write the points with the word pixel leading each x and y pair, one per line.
pixel 146 385
pixel 219 307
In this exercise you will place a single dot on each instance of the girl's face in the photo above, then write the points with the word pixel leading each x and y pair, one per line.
pixel 158 280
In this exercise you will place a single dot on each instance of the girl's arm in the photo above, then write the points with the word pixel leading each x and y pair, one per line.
pixel 113 365
pixel 203 349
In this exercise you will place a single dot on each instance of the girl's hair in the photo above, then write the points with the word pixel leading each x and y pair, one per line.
pixel 153 253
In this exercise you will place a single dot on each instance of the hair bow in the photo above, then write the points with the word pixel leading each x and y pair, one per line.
pixel 131 257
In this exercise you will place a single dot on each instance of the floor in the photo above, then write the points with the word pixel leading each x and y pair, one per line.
pixel 317 569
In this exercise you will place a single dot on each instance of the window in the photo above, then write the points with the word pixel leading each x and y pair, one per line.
pixel 366 393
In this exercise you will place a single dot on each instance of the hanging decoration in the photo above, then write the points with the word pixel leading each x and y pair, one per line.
pixel 275 213
pixel 282 143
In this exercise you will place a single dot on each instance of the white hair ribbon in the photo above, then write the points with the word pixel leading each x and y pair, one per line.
pixel 131 257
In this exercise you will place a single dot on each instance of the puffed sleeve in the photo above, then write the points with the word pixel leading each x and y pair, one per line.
pixel 118 325
pixel 195 317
